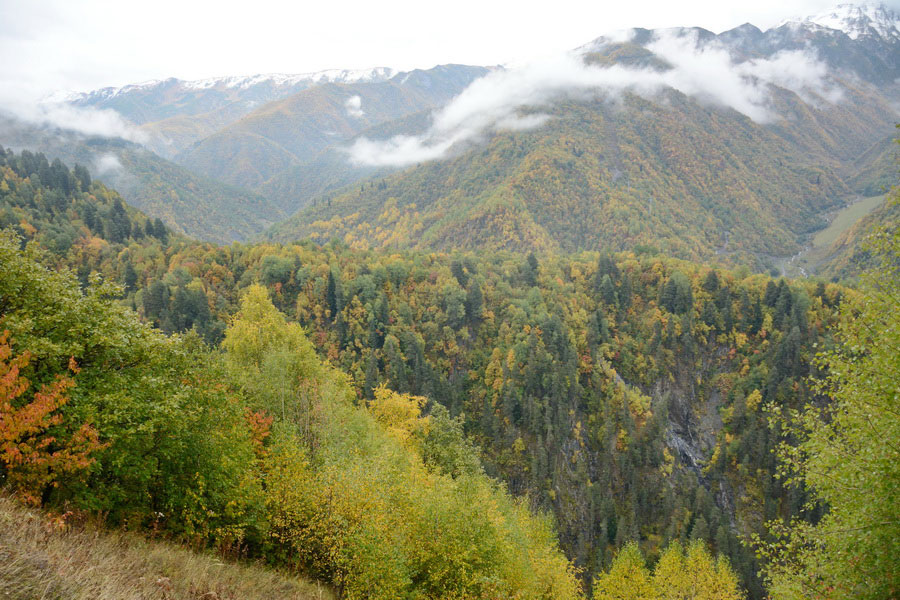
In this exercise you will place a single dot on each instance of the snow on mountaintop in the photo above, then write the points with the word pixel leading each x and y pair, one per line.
pixel 240 82
pixel 107 92
pixel 857 20
pixel 280 79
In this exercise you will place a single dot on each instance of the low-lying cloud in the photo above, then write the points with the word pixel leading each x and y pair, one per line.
pixel 106 164
pixel 89 121
pixel 710 74
pixel 354 107
pixel 508 99
pixel 26 105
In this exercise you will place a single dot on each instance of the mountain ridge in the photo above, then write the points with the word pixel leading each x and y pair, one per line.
pixel 696 165
pixel 296 150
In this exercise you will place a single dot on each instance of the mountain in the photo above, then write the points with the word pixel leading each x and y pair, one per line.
pixel 268 133
pixel 856 21
pixel 292 132
pixel 176 113
pixel 463 390
pixel 672 170
pixel 189 203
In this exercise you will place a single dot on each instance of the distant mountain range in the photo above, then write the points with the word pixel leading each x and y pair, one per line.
pixel 293 131
pixel 210 145
pixel 177 113
pixel 727 146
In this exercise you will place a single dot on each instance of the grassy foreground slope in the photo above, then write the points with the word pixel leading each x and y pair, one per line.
pixel 43 556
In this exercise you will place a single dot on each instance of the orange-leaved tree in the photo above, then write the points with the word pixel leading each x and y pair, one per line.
pixel 32 453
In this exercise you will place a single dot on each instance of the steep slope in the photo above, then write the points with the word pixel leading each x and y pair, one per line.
pixel 188 203
pixel 689 179
pixel 847 255
pixel 672 170
pixel 293 131
pixel 57 207
pixel 876 168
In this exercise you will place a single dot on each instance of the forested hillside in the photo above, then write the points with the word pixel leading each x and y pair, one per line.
pixel 698 182
pixel 622 393
pixel 63 209
pixel 628 395
pixel 258 450
pixel 187 202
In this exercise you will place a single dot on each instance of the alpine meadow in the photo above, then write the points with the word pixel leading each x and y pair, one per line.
pixel 617 322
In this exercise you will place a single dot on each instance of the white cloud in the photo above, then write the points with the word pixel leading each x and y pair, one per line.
pixel 90 121
pixel 24 102
pixel 398 151
pixel 798 71
pixel 505 99
pixel 107 163
pixel 354 107
pixel 709 73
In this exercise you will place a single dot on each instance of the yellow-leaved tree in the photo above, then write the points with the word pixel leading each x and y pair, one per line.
pixel 680 574
pixel 362 497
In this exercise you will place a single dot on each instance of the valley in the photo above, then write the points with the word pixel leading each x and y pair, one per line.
pixel 615 323
pixel 819 249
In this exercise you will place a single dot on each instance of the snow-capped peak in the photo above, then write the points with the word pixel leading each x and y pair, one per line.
pixel 282 79
pixel 243 82
pixel 857 20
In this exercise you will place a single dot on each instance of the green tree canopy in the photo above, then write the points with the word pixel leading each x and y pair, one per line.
pixel 848 455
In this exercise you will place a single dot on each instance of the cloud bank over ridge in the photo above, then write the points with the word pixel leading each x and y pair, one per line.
pixel 507 99
pixel 25 103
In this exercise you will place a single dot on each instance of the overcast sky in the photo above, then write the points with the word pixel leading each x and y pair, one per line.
pixel 50 45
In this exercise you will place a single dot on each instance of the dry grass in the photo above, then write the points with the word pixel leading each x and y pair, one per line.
pixel 43 558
